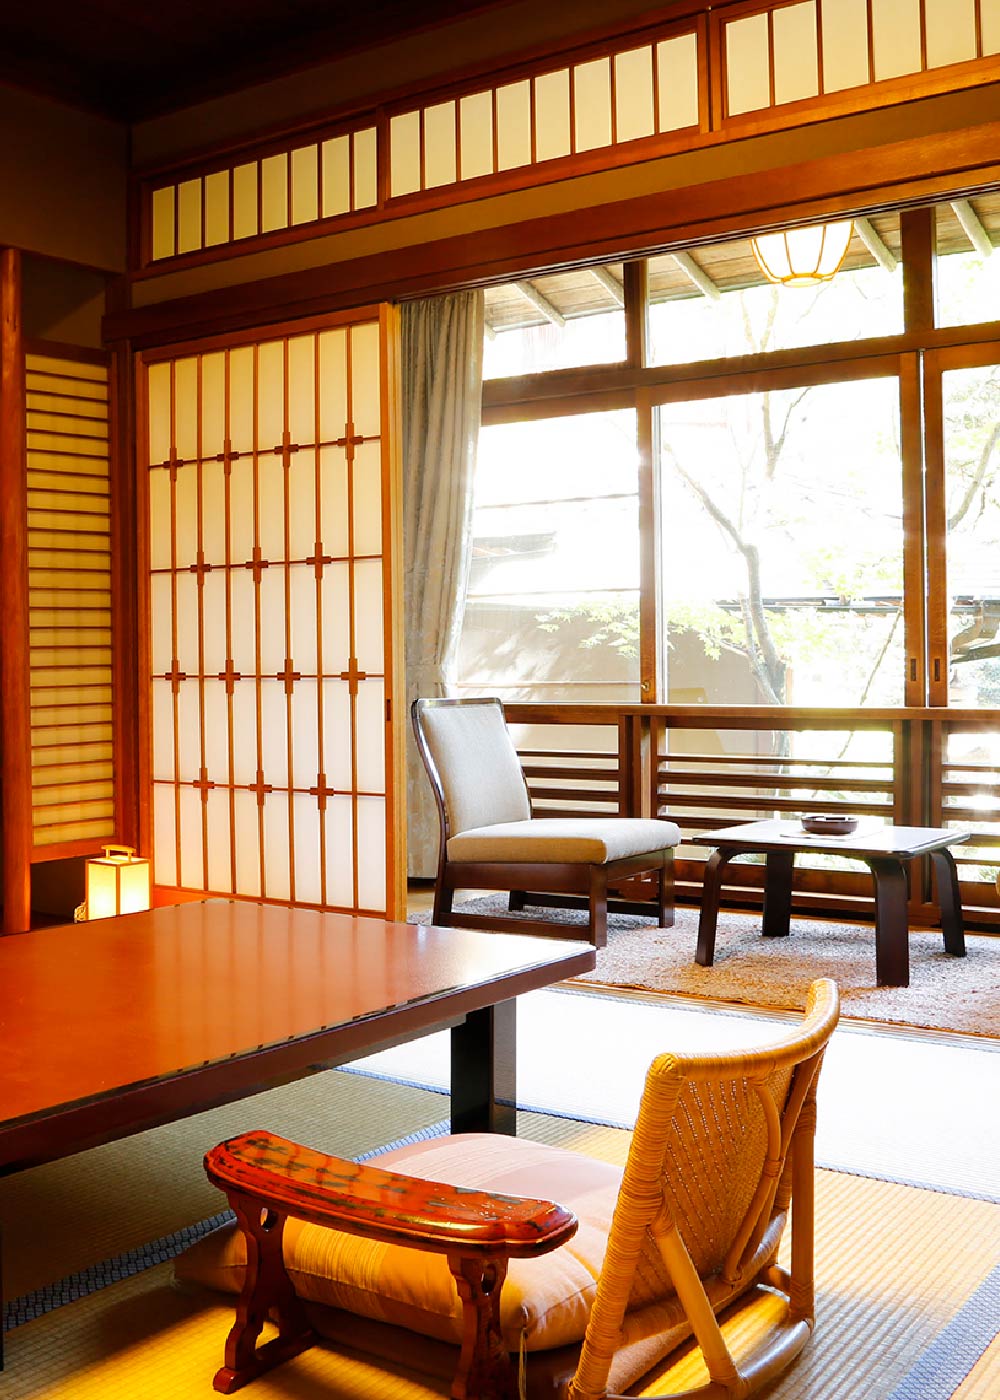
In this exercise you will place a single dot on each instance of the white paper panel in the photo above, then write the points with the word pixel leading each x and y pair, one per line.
pixel 305 734
pixel 158 377
pixel 213 512
pixel 241 589
pixel 796 58
pixel 186 602
pixel 366 407
pixel 245 200
pixel 270 394
pixel 162 213
pixel 186 408
pixel 677 70
pixel 337 734
pixel 274 192
pixel 274 732
pixel 308 889
pixel 188 731
pixel 552 115
pixel 188 216
pixel 159 519
pixel 747 64
pixel 336 158
pixel 302 528
pixel 219 867
pixel 368 498
pixel 365 168
pixel 476 127
pixel 339 852
pixel 186 516
pixel 245 732
pixel 213 404
pixel 371 853
pixel 302 388
pixel 247 844
pixel 276 849
pixel 163 730
pixel 333 488
pixel 213 602
pixel 634 94
pixel 332 384
pixel 845 45
pixel 305 184
pixel 513 117
pixel 592 90
pixel 336 619
pixel 368 615
pixel 241 511
pixel 895 37
pixel 989 12
pixel 192 872
pixel 160 620
pixel 272 620
pixel 241 377
pixel 404 154
pixel 216 703
pixel 370 730
pixel 302 617
pixel 951 31
pixel 164 835
pixel 271 506
pixel 440 154
pixel 216 208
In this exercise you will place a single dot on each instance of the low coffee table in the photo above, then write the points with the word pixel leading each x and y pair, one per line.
pixel 884 849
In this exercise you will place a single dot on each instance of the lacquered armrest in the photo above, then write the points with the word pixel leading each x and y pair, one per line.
pixel 365 1200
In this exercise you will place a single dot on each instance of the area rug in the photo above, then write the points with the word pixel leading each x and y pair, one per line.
pixel 945 993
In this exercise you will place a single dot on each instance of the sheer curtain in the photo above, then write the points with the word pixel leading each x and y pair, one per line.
pixel 442 372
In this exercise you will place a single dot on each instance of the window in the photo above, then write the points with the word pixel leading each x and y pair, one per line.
pixel 560 322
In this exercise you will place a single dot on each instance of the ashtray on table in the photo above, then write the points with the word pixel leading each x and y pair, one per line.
pixel 829 824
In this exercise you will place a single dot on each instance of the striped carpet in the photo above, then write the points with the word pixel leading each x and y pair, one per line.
pixel 908 1301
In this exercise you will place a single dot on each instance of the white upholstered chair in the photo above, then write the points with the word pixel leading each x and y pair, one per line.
pixel 491 841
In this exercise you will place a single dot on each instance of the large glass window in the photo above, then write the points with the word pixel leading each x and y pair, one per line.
pixel 967 281
pixel 559 322
pixel 553 604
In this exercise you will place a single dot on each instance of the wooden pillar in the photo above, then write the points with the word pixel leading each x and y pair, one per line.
pixel 15 727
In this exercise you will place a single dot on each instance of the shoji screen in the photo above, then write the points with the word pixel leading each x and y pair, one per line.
pixel 69 580
pixel 268 560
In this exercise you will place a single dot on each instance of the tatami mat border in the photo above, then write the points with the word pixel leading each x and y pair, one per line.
pixel 957 1348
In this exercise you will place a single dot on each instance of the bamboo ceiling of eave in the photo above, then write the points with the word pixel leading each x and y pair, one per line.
pixel 729 265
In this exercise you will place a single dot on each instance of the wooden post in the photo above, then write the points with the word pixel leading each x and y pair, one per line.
pixel 15 727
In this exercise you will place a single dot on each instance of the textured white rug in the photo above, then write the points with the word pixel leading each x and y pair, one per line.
pixel 945 993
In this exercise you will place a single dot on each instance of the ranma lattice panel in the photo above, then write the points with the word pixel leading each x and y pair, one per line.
pixel 266 619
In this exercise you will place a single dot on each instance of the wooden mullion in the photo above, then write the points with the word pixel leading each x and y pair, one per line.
pixel 351 604
pixel 936 527
pixel 319 567
pixel 391 479
pixel 871 40
pixel 227 486
pixel 650 660
pixel 922 13
pixel 258 662
pixel 613 97
pixel 912 490
pixel 289 667
pixel 200 578
pixel 175 685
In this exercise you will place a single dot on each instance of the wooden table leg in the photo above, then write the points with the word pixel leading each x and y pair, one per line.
pixel 892 927
pixel 484 1071
pixel 711 894
pixel 778 893
pixel 949 902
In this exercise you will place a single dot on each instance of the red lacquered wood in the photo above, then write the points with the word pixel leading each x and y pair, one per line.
pixel 365 1200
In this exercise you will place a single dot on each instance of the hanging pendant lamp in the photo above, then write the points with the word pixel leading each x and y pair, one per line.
pixel 803 257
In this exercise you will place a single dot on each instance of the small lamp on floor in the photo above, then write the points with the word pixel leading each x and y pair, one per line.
pixel 117 883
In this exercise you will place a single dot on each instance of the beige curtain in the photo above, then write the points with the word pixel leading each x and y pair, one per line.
pixel 442 370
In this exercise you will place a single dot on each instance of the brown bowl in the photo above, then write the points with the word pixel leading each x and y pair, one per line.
pixel 829 824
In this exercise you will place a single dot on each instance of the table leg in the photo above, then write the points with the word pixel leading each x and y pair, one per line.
pixel 778 893
pixel 711 894
pixel 892 928
pixel 949 902
pixel 484 1071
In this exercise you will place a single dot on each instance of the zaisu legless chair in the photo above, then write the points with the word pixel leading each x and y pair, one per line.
pixel 491 841
pixel 661 1280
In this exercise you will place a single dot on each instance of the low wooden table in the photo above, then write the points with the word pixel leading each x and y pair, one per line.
pixel 886 850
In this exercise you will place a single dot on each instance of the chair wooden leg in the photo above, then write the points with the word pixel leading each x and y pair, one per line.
pixel 666 891
pixel 267 1291
pixel 443 896
pixel 484 1368
pixel 598 906
pixel 516 901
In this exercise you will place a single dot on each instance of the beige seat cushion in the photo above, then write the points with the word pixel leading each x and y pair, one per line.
pixel 575 840
pixel 546 1299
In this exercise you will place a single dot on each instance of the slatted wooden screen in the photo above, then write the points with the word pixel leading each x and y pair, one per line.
pixel 267 625
pixel 69 579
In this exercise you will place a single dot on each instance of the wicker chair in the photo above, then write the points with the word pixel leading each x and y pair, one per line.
pixel 490 841
pixel 689 1296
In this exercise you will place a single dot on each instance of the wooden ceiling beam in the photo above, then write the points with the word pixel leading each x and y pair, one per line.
pixel 609 282
pixel 541 303
pixel 869 236
pixel 697 275
pixel 972 226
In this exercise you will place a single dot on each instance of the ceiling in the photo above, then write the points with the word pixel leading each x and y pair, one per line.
pixel 130 59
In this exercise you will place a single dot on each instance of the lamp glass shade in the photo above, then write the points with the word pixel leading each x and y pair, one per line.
pixel 803 257
pixel 117 883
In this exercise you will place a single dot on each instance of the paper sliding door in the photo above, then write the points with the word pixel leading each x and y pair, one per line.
pixel 270 560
